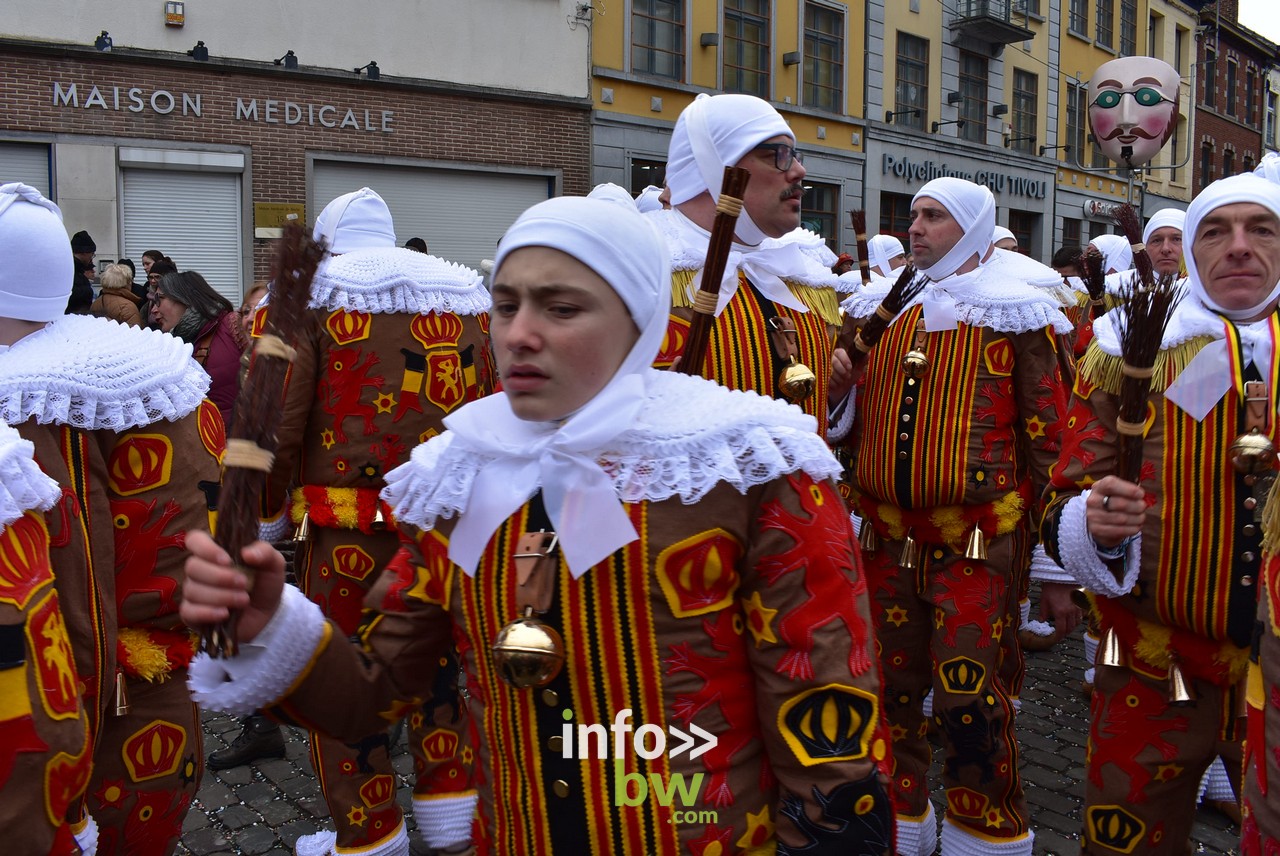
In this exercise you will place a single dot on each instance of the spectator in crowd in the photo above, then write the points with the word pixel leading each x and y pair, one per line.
pixel 117 300
pixel 251 300
pixel 187 307
pixel 149 258
pixel 138 288
pixel 844 264
pixel 1066 260
pixel 1003 239
pixel 81 298
pixel 416 244
pixel 83 249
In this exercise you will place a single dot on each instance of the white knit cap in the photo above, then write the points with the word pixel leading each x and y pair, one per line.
pixel 1225 191
pixel 359 220
pixel 713 132
pixel 974 208
pixel 1162 219
pixel 36 268
pixel 1117 255
pixel 881 249
pixel 617 242
pixel 1269 168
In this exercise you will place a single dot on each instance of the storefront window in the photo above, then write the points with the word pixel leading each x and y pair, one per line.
pixel 746 47
pixel 973 88
pixel 820 211
pixel 645 173
pixel 895 214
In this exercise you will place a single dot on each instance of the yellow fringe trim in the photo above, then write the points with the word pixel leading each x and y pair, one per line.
pixel 891 515
pixel 1153 647
pixel 824 301
pixel 1105 371
pixel 343 500
pixel 1271 520
pixel 144 658
pixel 950 521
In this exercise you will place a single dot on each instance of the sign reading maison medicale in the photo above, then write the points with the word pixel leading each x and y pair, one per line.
pixel 270 111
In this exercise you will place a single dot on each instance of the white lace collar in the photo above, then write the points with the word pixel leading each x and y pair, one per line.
pixel 687 244
pixel 92 373
pixel 986 297
pixel 395 279
pixel 23 486
pixel 690 435
pixel 1191 320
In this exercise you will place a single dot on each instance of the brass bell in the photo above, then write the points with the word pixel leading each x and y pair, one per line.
pixel 868 540
pixel 796 381
pixel 910 555
pixel 1180 693
pixel 1081 599
pixel 1252 452
pixel 303 532
pixel 379 522
pixel 1109 651
pixel 528 652
pixel 122 697
pixel 915 364
pixel 977 547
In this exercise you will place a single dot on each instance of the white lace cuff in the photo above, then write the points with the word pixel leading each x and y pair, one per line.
pixel 1080 557
pixel 276 528
pixel 840 417
pixel 265 667
pixel 23 486
pixel 918 837
pixel 445 821
pixel 960 842
pixel 1046 570
pixel 86 835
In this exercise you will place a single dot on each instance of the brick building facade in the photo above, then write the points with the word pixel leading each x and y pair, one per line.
pixel 1231 95
pixel 116 129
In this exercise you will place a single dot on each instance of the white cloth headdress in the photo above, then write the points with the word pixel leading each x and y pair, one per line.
pixel 647 199
pixel 974 208
pixel 714 132
pixel 1000 233
pixel 1237 188
pixel 1269 167
pixel 1163 219
pixel 881 249
pixel 1117 255
pixel 615 241
pixel 36 267
pixel 355 221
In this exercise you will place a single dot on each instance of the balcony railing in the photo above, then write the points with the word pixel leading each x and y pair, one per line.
pixel 996 22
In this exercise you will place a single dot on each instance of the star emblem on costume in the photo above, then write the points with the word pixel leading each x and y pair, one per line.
pixel 897 732
pixel 327 438
pixel 997 628
pixel 357 816
pixel 1168 772
pixel 1035 428
pixel 370 470
pixel 714 841
pixel 939 619
pixel 468 756
pixel 994 817
pixel 385 402
pixel 759 619
pixel 416 720
pixel 896 615
pixel 188 774
pixel 759 829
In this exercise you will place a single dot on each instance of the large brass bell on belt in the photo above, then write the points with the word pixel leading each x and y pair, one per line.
pixel 915 364
pixel 797 381
pixel 528 652
pixel 1252 453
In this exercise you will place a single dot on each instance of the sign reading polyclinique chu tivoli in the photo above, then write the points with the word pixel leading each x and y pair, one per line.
pixel 269 111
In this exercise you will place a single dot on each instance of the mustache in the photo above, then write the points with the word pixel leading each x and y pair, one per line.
pixel 1129 132
pixel 795 191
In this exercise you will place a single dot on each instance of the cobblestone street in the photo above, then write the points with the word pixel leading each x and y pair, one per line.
pixel 264 808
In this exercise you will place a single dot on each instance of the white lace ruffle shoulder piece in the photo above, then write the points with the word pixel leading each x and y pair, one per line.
pixel 1191 320
pixel 687 244
pixel 851 283
pixel 691 435
pixel 395 279
pixel 863 302
pixel 23 485
pixel 1013 265
pixel 92 373
pixel 987 298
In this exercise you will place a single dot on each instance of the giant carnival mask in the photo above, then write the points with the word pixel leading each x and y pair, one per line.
pixel 1133 108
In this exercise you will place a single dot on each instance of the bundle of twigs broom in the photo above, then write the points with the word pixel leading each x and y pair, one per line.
pixel 259 408
pixel 858 342
pixel 1149 302
pixel 728 207
pixel 1095 280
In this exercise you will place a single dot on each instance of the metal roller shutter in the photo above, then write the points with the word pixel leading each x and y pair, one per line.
pixel 192 217
pixel 26 162
pixel 461 214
